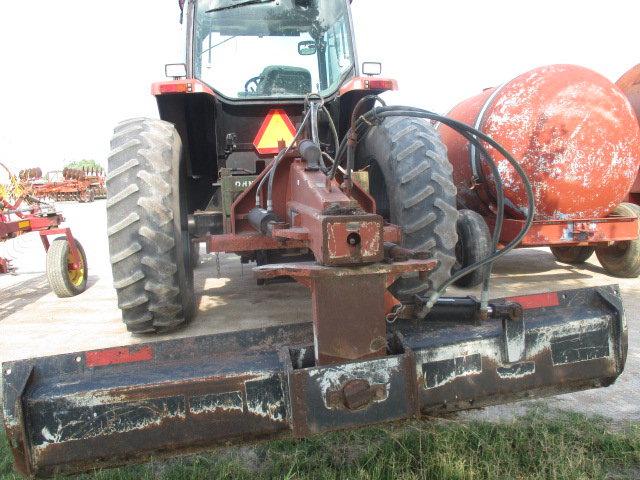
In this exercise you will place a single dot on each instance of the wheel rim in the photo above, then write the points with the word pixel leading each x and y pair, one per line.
pixel 76 275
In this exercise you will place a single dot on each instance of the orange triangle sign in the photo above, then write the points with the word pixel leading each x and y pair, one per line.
pixel 275 128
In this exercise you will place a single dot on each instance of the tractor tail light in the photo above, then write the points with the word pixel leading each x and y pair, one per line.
pixel 176 87
pixel 381 84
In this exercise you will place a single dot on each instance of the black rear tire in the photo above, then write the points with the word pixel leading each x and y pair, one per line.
pixel 622 259
pixel 474 245
pixel 194 258
pixel 147 226
pixel 410 178
pixel 572 255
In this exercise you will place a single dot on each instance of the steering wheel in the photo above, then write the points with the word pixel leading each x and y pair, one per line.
pixel 252 84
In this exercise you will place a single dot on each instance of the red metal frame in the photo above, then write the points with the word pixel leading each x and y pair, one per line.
pixel 251 241
pixel 75 254
pixel 580 232
pixel 337 221
pixel 30 220
pixel 355 328
pixel 305 192
pixel 68 189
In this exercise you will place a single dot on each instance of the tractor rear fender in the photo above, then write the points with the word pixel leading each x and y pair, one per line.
pixel 212 127
pixel 79 411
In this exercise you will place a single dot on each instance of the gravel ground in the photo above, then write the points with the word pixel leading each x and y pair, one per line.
pixel 33 322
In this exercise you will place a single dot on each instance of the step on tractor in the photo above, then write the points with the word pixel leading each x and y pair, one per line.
pixel 275 145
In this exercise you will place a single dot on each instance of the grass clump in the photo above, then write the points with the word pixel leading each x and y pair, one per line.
pixel 540 445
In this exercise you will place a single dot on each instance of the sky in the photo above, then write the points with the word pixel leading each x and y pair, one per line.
pixel 72 69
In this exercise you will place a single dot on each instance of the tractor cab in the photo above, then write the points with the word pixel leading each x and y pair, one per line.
pixel 249 61
pixel 281 49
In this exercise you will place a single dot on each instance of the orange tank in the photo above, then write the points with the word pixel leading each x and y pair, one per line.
pixel 629 83
pixel 574 133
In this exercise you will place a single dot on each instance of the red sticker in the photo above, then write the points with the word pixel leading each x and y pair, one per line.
pixel 537 301
pixel 113 356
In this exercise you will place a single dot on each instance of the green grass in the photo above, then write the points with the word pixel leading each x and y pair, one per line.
pixel 541 445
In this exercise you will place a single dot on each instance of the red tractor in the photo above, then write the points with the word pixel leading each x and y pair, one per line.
pixel 271 146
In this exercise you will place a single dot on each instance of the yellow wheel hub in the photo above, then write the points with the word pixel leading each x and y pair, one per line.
pixel 76 275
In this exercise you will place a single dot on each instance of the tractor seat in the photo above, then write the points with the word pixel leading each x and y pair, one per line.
pixel 284 80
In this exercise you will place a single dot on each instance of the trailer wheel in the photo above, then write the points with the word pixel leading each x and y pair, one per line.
pixel 622 259
pixel 410 178
pixel 572 255
pixel 474 245
pixel 66 278
pixel 149 242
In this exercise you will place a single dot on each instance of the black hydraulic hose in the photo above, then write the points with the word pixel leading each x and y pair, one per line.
pixel 343 145
pixel 360 125
pixel 274 165
pixel 334 130
pixel 352 137
pixel 361 102
pixel 459 126
pixel 379 113
pixel 339 155
pixel 497 229
pixel 343 149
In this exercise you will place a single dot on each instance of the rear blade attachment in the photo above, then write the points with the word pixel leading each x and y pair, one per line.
pixel 80 411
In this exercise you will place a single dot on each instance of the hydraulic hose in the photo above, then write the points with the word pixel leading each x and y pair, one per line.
pixel 334 130
pixel 360 125
pixel 280 156
pixel 271 173
pixel 343 146
pixel 379 113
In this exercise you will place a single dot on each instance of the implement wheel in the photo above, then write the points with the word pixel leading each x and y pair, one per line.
pixel 572 255
pixel 474 245
pixel 622 259
pixel 149 242
pixel 410 178
pixel 66 278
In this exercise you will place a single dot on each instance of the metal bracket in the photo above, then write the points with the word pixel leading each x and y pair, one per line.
pixel 16 379
pixel 513 331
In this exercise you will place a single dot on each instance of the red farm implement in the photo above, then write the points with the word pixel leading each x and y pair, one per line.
pixel 66 264
pixel 82 185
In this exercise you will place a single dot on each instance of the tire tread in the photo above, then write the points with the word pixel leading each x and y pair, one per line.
pixel 144 250
pixel 422 196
